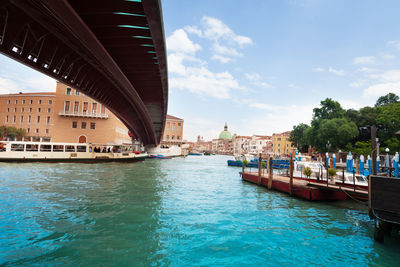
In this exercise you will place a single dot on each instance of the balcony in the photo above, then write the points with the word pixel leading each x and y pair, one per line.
pixel 83 114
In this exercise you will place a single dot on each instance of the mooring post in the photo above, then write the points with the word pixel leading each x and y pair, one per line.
pixel 354 180
pixel 291 175
pixel 243 165
pixel 373 149
pixel 259 168
pixel 270 174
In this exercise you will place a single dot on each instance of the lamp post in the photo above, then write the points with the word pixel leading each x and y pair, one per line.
pixel 328 146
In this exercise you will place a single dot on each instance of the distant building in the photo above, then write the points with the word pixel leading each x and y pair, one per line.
pixel 200 145
pixel 281 144
pixel 64 116
pixel 253 145
pixel 173 131
pixel 223 145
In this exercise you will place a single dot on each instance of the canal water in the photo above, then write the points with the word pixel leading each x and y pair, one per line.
pixel 178 212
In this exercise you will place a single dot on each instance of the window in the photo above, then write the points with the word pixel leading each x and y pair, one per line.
pixel 45 148
pixel 178 137
pixel 279 145
pixel 48 119
pixel 66 106
pixel 47 131
pixel 39 110
pixel 279 139
pixel 17 147
pixel 8 109
pixel 37 130
pixel 14 118
pixel 40 101
pixel 29 119
pixel 22 109
pixel 16 101
pixel 15 109
pixel 173 127
pixel 93 125
pixel 50 102
pixel 167 137
pixel 30 109
pixel 58 148
pixel 31 101
pixel 48 110
pixel 23 102
pixel 38 119
pixel 80 148
pixel 83 125
pixel 173 137
pixel 74 124
pixel 7 119
pixel 9 101
pixel 30 147
pixel 76 92
pixel 22 119
pixel 68 92
pixel 69 148
pixel 94 108
pixel 76 106
pixel 85 107
pixel 103 109
pixel 28 130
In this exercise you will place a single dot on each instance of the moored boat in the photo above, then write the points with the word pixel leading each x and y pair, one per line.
pixel 159 157
pixel 21 151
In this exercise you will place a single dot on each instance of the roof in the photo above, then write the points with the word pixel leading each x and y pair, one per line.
pixel 30 94
pixel 169 117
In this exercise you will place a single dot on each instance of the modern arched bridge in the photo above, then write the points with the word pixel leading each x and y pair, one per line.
pixel 112 50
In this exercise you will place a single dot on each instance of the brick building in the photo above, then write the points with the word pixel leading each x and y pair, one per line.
pixel 64 116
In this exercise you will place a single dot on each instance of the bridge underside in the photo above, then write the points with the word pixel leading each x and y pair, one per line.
pixel 113 51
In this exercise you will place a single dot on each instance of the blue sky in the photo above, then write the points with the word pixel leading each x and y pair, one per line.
pixel 261 66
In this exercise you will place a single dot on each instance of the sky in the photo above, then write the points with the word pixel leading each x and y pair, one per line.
pixel 261 66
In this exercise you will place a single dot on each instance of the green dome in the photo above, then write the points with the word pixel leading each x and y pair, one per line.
pixel 225 134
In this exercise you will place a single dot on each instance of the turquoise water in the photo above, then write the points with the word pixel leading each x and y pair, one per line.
pixel 179 212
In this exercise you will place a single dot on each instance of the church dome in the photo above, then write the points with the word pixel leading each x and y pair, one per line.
pixel 225 134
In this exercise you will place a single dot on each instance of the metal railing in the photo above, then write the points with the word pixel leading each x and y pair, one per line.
pixel 83 114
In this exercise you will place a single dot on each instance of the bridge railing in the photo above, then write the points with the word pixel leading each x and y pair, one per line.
pixel 83 114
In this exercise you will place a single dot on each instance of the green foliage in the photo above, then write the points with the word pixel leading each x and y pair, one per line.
pixel 387 99
pixel 328 109
pixel 263 164
pixel 331 172
pixel 12 132
pixel 307 172
pixel 362 148
pixel 349 130
pixel 298 137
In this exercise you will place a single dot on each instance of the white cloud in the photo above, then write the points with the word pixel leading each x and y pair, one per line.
pixel 318 69
pixel 225 50
pixel 206 83
pixel 356 84
pixel 395 44
pixel 335 71
pixel 221 59
pixel 8 86
pixel 387 56
pixel 366 70
pixel 215 29
pixel 364 60
pixel 292 85
pixel 180 42
pixel 390 76
pixel 381 89
pixel 350 104
pixel 255 79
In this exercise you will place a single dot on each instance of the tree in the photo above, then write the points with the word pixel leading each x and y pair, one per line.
pixel 298 137
pixel 329 109
pixel 387 99
pixel 12 132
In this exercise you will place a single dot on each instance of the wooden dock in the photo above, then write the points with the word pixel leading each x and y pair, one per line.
pixel 299 188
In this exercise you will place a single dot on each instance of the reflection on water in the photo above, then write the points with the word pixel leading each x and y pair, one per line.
pixel 184 211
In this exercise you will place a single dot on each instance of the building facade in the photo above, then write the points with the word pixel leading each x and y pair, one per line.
pixel 64 116
pixel 224 144
pixel 173 131
pixel 281 144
